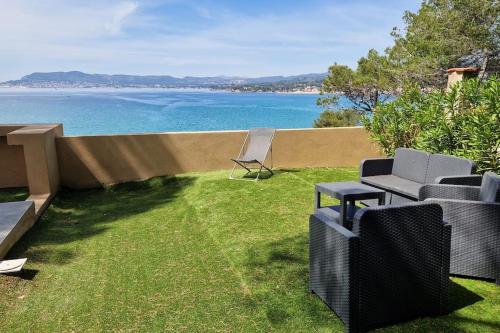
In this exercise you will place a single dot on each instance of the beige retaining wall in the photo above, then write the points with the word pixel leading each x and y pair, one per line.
pixel 93 161
pixel 12 165
pixel 37 142
pixel 28 157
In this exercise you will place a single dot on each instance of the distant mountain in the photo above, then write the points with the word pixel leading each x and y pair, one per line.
pixel 79 79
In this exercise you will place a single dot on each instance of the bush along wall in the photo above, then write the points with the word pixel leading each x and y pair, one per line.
pixel 464 121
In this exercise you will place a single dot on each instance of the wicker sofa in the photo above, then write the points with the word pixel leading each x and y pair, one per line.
pixel 402 176
pixel 474 214
pixel 393 266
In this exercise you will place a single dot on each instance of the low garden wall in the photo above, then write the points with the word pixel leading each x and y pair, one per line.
pixel 12 165
pixel 93 161
pixel 27 156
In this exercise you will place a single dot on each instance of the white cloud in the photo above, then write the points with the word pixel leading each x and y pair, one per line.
pixel 61 21
pixel 131 37
pixel 124 10
pixel 203 12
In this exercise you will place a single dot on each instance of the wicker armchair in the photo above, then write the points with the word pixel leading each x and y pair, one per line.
pixel 474 214
pixel 393 266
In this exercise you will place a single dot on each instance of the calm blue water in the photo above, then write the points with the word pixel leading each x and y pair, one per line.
pixel 133 111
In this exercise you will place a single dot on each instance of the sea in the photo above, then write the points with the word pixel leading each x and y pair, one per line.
pixel 121 111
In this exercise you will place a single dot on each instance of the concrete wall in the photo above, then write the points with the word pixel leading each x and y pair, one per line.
pixel 12 166
pixel 37 143
pixel 27 157
pixel 93 161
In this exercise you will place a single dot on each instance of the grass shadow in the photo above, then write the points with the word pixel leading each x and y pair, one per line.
pixel 263 175
pixel 13 194
pixel 24 274
pixel 79 214
pixel 279 271
pixel 461 297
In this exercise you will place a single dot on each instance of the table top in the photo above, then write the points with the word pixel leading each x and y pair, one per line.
pixel 349 190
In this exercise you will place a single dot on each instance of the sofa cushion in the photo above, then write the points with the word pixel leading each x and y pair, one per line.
pixel 446 165
pixel 490 188
pixel 394 184
pixel 410 164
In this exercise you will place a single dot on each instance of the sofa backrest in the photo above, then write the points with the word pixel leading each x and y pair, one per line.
pixel 402 251
pixel 446 165
pixel 490 188
pixel 410 164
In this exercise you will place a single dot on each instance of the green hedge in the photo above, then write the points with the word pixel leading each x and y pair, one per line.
pixel 341 118
pixel 464 121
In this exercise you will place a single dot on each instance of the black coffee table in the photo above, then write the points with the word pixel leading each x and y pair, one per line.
pixel 345 192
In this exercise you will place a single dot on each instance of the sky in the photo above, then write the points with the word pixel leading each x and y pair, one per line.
pixel 192 38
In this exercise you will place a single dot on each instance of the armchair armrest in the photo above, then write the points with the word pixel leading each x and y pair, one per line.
pixel 457 192
pixel 471 180
pixel 445 272
pixel 470 203
pixel 333 267
pixel 476 231
pixel 482 216
pixel 375 167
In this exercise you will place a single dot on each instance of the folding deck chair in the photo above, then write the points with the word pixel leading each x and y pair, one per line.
pixel 255 151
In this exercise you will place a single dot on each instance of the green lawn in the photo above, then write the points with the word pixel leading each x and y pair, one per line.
pixel 13 194
pixel 192 253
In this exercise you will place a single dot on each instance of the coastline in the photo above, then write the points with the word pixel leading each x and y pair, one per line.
pixel 300 92
pixel 4 89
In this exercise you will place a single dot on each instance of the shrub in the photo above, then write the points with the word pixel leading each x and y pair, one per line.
pixel 342 118
pixel 464 121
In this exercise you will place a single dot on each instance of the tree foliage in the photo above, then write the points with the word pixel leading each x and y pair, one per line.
pixel 439 34
pixel 463 122
pixel 363 87
pixel 343 118
pixel 432 40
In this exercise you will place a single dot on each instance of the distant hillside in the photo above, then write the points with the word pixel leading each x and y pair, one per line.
pixel 78 79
